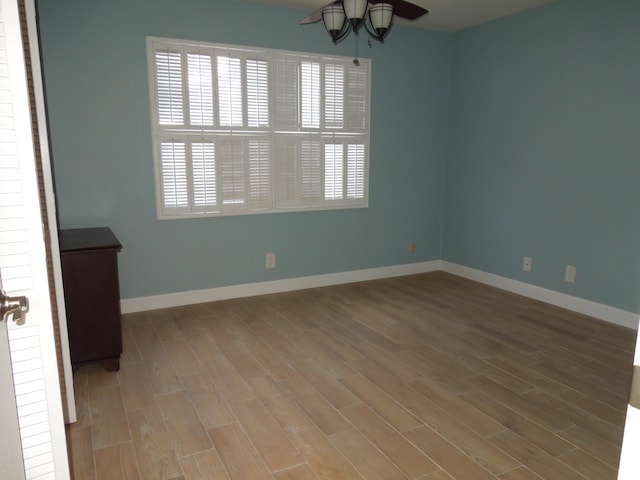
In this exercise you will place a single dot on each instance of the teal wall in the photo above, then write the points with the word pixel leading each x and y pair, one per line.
pixel 544 150
pixel 517 137
pixel 95 72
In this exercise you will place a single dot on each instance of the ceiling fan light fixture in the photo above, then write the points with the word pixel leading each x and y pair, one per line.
pixel 355 11
pixel 381 18
pixel 334 21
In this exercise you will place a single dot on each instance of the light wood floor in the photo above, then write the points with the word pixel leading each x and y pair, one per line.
pixel 425 377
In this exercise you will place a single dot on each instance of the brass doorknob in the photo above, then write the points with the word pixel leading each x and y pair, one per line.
pixel 17 307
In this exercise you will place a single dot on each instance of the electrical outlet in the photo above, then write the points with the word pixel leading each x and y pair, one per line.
pixel 570 274
pixel 412 246
pixel 526 264
pixel 271 260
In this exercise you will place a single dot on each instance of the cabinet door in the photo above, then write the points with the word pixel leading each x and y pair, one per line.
pixel 93 305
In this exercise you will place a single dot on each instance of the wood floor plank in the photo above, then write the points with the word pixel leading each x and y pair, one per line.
pixel 552 421
pixel 210 407
pixel 157 459
pixel 182 357
pixel 108 419
pixel 299 472
pixel 117 461
pixel 228 381
pixel 135 387
pixel 370 462
pixel 549 442
pixel 238 454
pixel 475 419
pixel 201 343
pixel 534 458
pixel 287 414
pixel 316 407
pixel 334 391
pixel 376 399
pixel 387 381
pixel 183 425
pixel 273 364
pixel 459 465
pixel 588 465
pixel 81 395
pixel 270 441
pixel 520 473
pixel 80 445
pixel 162 375
pixel 464 438
pixel 389 441
pixel 592 443
pixel 325 460
pixel 205 465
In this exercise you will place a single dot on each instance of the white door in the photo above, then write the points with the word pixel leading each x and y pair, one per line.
pixel 630 460
pixel 11 463
pixel 40 449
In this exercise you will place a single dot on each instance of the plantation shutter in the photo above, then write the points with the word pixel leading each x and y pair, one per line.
pixel 355 171
pixel 241 130
pixel 169 88
pixel 230 91
pixel 175 184
pixel 259 174
pixel 287 91
pixel 232 171
pixel 357 97
pixel 310 94
pixel 203 155
pixel 200 88
pixel 257 93
pixel 310 172
pixel 334 96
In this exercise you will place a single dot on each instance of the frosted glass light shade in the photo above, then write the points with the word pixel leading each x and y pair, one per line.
pixel 355 11
pixel 380 16
pixel 333 18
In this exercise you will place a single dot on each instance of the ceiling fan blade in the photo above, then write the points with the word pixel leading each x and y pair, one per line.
pixel 316 15
pixel 403 9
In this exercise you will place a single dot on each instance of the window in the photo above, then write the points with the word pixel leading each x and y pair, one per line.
pixel 239 131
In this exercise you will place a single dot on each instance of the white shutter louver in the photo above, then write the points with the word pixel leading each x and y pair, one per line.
pixel 334 96
pixel 203 158
pixel 257 93
pixel 357 98
pixel 310 94
pixel 286 92
pixel 175 193
pixel 286 172
pixel 200 82
pixel 333 167
pixel 310 172
pixel 259 173
pixel 355 171
pixel 230 91
pixel 169 88
pixel 232 171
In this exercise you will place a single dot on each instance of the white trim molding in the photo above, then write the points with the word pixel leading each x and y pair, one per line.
pixel 575 304
pixel 154 302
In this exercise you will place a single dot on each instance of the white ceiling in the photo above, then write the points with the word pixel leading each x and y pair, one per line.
pixel 445 15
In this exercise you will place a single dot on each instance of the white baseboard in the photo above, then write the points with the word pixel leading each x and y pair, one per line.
pixel 154 302
pixel 575 304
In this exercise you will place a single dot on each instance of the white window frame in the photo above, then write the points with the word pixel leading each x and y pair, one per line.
pixel 284 153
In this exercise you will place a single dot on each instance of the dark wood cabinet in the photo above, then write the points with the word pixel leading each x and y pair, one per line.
pixel 89 258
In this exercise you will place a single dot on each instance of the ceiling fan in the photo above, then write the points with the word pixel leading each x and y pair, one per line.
pixel 341 17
